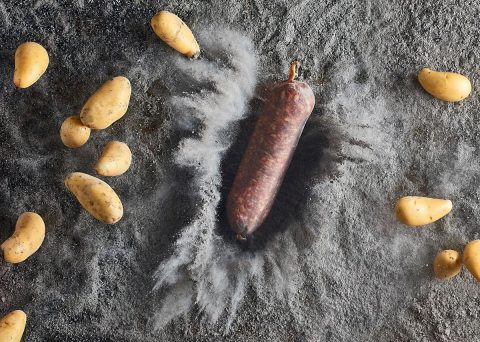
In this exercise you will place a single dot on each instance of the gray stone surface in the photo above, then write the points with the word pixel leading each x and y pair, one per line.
pixel 331 263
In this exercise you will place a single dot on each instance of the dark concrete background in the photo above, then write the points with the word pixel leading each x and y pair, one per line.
pixel 331 264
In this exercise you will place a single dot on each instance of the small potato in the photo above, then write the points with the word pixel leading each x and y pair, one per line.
pixel 12 326
pixel 173 31
pixel 31 61
pixel 26 240
pixel 96 196
pixel 73 132
pixel 471 258
pixel 108 104
pixel 447 264
pixel 446 86
pixel 418 211
pixel 115 159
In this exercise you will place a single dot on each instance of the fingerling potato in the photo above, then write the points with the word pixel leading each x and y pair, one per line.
pixel 96 196
pixel 447 264
pixel 12 326
pixel 31 62
pixel 116 158
pixel 418 211
pixel 173 31
pixel 108 104
pixel 27 238
pixel 73 132
pixel 471 258
pixel 446 86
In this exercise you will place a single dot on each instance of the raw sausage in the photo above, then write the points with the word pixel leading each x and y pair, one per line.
pixel 268 154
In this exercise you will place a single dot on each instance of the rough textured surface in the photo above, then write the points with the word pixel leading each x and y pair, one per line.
pixel 331 263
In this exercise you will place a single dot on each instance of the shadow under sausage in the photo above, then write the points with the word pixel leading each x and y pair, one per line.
pixel 315 158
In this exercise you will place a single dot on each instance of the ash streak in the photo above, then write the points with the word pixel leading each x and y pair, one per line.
pixel 196 273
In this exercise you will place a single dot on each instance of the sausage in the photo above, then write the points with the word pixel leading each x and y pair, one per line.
pixel 268 154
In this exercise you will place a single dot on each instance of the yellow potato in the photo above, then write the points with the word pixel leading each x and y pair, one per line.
pixel 173 31
pixel 115 159
pixel 446 86
pixel 73 132
pixel 447 264
pixel 12 326
pixel 417 211
pixel 31 61
pixel 471 258
pixel 96 196
pixel 26 240
pixel 108 104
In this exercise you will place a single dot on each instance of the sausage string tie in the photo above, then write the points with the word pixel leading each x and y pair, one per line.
pixel 293 69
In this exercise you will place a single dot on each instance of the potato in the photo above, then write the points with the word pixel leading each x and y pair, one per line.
pixel 96 196
pixel 73 132
pixel 173 31
pixel 115 159
pixel 108 104
pixel 12 326
pixel 31 61
pixel 26 239
pixel 471 258
pixel 447 264
pixel 417 211
pixel 446 86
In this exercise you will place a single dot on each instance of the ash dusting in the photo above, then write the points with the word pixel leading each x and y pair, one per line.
pixel 203 270
pixel 330 263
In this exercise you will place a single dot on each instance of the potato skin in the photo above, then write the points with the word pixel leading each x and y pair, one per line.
pixel 26 240
pixel 446 86
pixel 471 258
pixel 418 211
pixel 12 326
pixel 74 133
pixel 115 160
pixel 108 104
pixel 447 264
pixel 96 196
pixel 31 62
pixel 173 31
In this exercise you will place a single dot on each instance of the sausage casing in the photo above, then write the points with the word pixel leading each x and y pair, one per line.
pixel 268 154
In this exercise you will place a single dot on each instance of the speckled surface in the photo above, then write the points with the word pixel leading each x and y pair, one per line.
pixel 331 263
